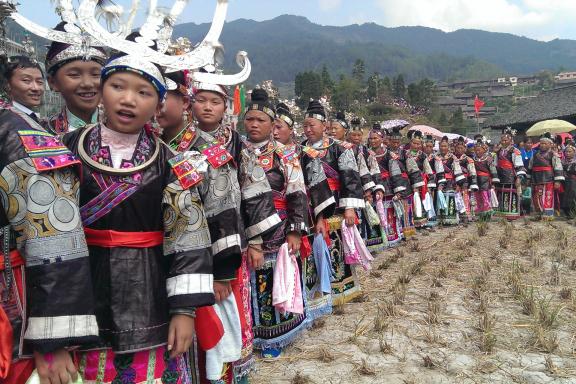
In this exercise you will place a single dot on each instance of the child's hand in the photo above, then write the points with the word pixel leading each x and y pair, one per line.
pixel 180 334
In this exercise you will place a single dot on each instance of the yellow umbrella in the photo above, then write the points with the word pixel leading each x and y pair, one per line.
pixel 552 126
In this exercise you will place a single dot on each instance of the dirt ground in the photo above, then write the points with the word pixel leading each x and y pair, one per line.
pixel 473 304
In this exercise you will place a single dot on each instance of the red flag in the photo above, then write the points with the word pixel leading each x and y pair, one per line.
pixel 237 106
pixel 478 104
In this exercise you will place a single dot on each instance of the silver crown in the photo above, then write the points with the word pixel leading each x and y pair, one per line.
pixel 83 28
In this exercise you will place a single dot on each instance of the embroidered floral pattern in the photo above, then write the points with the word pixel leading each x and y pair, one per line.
pixel 125 373
pixel 170 374
pixel 102 155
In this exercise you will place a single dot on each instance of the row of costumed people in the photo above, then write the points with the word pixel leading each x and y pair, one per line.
pixel 153 242
pixel 146 241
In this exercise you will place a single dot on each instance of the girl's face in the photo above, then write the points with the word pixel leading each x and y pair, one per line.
pixel 545 145
pixel 570 152
pixel 282 132
pixel 505 141
pixel 171 117
pixel 386 141
pixel 394 143
pixel 479 150
pixel 337 131
pixel 79 84
pixel 130 102
pixel 208 108
pixel 355 137
pixel 258 126
pixel 374 140
pixel 428 148
pixel 416 144
pixel 460 149
pixel 313 129
pixel 444 147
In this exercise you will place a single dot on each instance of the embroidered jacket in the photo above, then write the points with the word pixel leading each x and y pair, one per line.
pixel 41 218
pixel 148 238
pixel 340 171
pixel 426 173
pixel 438 169
pixel 452 172
pixel 486 171
pixel 469 170
pixel 509 165
pixel 361 155
pixel 284 175
pixel 387 162
pixel 65 121
pixel 221 197
pixel 546 168
pixel 405 173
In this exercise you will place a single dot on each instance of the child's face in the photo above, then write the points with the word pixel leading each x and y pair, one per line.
pixel 130 102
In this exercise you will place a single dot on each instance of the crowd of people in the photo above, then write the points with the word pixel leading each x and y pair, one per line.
pixel 145 241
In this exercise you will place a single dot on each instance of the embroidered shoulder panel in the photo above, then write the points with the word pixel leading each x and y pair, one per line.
pixel 345 144
pixel 216 153
pixel 288 154
pixel 186 172
pixel 46 151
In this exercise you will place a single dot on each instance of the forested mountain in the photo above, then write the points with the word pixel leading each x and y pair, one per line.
pixel 282 47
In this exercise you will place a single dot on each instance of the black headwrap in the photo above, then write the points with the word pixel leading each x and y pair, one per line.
pixel 261 102
pixel 341 119
pixel 316 111
pixel 284 114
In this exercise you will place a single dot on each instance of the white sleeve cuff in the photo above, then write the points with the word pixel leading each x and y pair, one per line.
pixel 351 202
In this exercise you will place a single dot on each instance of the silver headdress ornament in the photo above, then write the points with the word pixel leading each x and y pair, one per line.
pixel 84 29
pixel 270 89
pixel 6 9
pixel 325 101
pixel 28 45
pixel 201 56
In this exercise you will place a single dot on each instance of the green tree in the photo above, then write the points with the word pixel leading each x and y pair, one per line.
pixel 546 79
pixel 307 85
pixel 327 82
pixel 399 86
pixel 457 121
pixel 386 86
pixel 374 85
pixel 414 94
pixel 345 93
pixel 359 70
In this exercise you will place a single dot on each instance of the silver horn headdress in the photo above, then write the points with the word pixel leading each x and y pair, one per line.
pixel 83 28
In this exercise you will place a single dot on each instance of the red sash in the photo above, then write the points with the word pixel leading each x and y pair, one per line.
pixel 505 164
pixel 385 174
pixel 424 188
pixel 483 174
pixel 16 259
pixel 334 184
pixel 449 176
pixel 542 169
pixel 280 204
pixel 112 239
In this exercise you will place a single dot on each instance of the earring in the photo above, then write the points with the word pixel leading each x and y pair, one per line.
pixel 101 114
pixel 186 118
pixel 156 128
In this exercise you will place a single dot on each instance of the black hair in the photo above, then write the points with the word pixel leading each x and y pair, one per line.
pixel 9 65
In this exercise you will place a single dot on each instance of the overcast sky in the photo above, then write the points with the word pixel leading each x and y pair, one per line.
pixel 538 19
